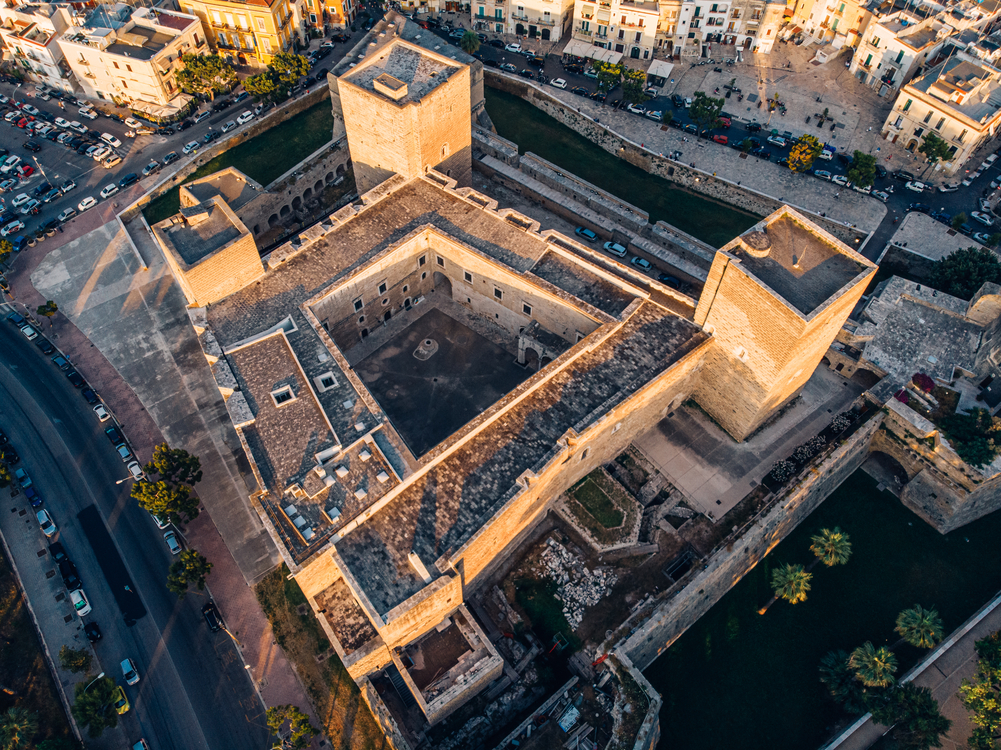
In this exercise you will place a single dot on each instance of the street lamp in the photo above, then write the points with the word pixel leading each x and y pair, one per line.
pixel 123 480
pixel 93 681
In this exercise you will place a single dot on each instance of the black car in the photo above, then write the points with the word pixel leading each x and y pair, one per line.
pixel 45 345
pixel 669 280
pixel 753 127
pixel 90 396
pixel 9 455
pixel 48 228
pixel 164 131
pixel 920 208
pixel 761 152
pixel 93 632
pixel 42 189
pixel 184 125
pixel 496 43
pixel 689 128
pixel 599 96
pixel 491 63
pixel 70 578
pixel 61 362
pixel 171 158
pixel 527 74
pixel 678 101
pixel 904 176
pixel 130 179
pixel 211 136
pixel 58 552
pixel 115 436
pixel 344 37
pixel 880 170
pixel 212 617
pixel 942 216
pixel 52 195
pixel 75 378
pixel 32 146
pixel 579 91
pixel 222 104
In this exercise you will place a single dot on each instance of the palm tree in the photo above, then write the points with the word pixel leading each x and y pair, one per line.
pixel 469 42
pixel 919 627
pixel 836 673
pixel 831 546
pixel 17 727
pixel 791 583
pixel 874 667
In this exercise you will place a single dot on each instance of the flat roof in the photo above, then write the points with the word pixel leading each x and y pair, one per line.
pixel 403 63
pixel 193 242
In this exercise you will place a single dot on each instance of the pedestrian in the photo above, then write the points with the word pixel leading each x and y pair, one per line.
pixel 837 195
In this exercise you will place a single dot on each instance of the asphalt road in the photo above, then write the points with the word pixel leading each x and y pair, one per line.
pixel 194 691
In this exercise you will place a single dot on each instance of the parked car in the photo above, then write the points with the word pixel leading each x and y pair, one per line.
pixel 68 572
pixel 90 396
pixel 46 524
pixel 920 208
pixel 840 179
pixel 172 544
pixel 558 83
pixel 171 158
pixel 67 214
pixel 231 125
pixel 129 672
pixel 641 263
pixel 150 168
pixel 245 118
pixel 121 702
pixel 80 603
pixel 212 617
pixel 721 139
pixel 983 218
pixel 128 180
pixel 949 187
pixel 202 116
pixel 776 141
pixel 93 632
pixel 586 234
pixel 615 249
pixel 87 203
pixel 109 190
pixel 136 470
pixel 75 378
pixel 881 195
pixel 115 436
pixel 33 497
pixel 102 413
pixel 190 148
pixel 915 186
pixel 29 332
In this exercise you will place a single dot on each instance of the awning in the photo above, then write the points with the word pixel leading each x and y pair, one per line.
pixel 661 69
pixel 577 48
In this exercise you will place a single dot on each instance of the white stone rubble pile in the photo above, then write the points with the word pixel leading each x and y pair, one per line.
pixel 577 587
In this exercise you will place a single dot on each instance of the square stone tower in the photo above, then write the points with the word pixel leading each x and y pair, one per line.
pixel 775 298
pixel 406 110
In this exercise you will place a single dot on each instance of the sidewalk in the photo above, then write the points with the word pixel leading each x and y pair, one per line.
pixel 942 672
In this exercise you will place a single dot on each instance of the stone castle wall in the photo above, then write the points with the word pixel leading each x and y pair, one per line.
pixel 673 617
pixel 699 182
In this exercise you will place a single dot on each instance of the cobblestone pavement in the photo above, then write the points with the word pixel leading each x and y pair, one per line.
pixel 271 671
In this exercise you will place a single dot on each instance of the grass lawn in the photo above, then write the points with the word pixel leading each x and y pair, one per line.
pixel 597 503
pixel 264 157
pixel 545 611
pixel 347 721
pixel 22 665
pixel 761 672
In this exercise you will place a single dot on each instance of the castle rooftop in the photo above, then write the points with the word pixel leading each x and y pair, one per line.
pixel 402 72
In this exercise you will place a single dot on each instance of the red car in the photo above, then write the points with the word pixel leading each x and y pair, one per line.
pixel 25 171
pixel 724 121
pixel 720 139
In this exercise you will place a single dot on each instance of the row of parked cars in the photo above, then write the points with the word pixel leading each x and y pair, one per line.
pixel 614 248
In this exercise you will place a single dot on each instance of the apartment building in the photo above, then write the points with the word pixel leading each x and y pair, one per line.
pixel 959 100
pixel 248 33
pixel 894 47
pixel 545 20
pixel 842 23
pixel 132 56
pixel 326 14
pixel 703 29
pixel 625 27
pixel 29 36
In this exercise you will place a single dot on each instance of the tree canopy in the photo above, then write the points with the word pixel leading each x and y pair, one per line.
pixel 170 495
pixel 705 110
pixel 190 568
pixel 962 272
pixel 175 465
pixel 609 74
pixel 839 678
pixel 632 85
pixel 469 43
pixel 920 627
pixel 804 153
pixel 274 84
pixel 874 666
pixel 299 733
pixel 914 714
pixel 981 694
pixel 862 171
pixel 6 248
pixel 934 148
pixel 94 705
pixel 17 727
pixel 74 660
pixel 831 546
pixel 206 74
pixel 791 582
pixel 974 435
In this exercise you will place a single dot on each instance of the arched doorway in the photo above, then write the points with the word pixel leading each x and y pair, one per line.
pixel 635 53
pixel 297 203
pixel 387 315
pixel 272 220
pixel 545 35
pixel 519 29
pixel 285 211
pixel 912 145
pixel 888 470
pixel 865 378
pixel 441 283
pixel 531 359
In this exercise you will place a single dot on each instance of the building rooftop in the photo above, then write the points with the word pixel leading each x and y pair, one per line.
pixel 401 72
pixel 345 616
pixel 968 88
pixel 805 267
pixel 230 184
pixel 201 230
pixel 584 284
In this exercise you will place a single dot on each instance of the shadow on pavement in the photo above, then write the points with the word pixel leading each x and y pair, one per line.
pixel 111 565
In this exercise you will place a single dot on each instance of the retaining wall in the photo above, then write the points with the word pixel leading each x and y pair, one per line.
pixel 673 617
pixel 695 180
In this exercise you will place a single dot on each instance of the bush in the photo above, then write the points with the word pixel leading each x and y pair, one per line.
pixel 923 382
pixel 782 470
pixel 972 436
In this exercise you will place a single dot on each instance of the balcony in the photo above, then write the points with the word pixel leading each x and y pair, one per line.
pixel 580 33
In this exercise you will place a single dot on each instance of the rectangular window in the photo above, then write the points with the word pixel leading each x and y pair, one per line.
pixel 359 304
pixel 440 261
pixel 907 105
pixel 527 309
pixel 422 260
pixel 928 116
pixel 325 382
pixel 283 395
pixel 638 36
pixel 243 21
pixel 128 68
pixel 382 288
pixel 499 28
pixel 622 34
pixel 217 19
pixel 498 14
pixel 900 56
pixel 962 136
pixel 229 21
pixel 260 23
pixel 498 294
pixel 312 18
pixel 941 122
pixel 468 277
pixel 918 132
pixel 585 25
pixel 481 12
pixel 114 63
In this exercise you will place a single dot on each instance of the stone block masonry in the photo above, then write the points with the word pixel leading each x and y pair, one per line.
pixel 666 623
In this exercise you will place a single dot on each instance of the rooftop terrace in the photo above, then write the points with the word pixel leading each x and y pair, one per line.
pixel 201 230
pixel 400 64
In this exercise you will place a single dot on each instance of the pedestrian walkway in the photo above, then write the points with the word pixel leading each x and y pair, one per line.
pixel 942 673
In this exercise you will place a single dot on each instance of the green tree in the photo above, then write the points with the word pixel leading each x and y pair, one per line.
pixel 667 117
pixel 804 152
pixel 994 239
pixel 5 477
pixel 934 148
pixel 862 171
pixel 790 582
pixel 609 74
pixel 206 74
pixel 874 667
pixel 962 272
pixel 981 694
pixel 93 705
pixel 914 714
pixel 973 435
pixel 958 220
pixel 74 660
pixel 175 466
pixel 159 498
pixel 261 86
pixel 17 727
pixel 288 67
pixel 299 733
pixel 920 627
pixel 839 678
pixel 191 568
pixel 633 82
pixel 705 110
pixel 747 144
pixel 831 547
pixel 5 250
pixel 469 43
pixel 47 310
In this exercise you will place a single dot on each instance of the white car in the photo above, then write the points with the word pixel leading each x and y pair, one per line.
pixel 915 186
pixel 112 161
pixel 86 203
pixel 29 332
pixel 66 214
pixel 202 116
pixel 776 140
pixel 949 187
pixel 87 112
pixel 62 122
pixel 160 523
pixel 9 163
pixel 636 110
pixel 190 148
pixel 172 544
pixel 245 118
pixel 30 207
pixel 111 140
pixel 29 109
pixel 102 413
pixel 135 470
pixel 983 218
pixel 839 179
pixel 864 190
pixel 81 129
pixel 132 122
pixel 231 125
pixel 20 199
pixel 615 249
pixel 129 672
pixel 109 190
pixel 45 523
pixel 513 48
pixel 80 603
pixel 881 195
pixel 15 226
pixel 100 152
pixel 558 83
